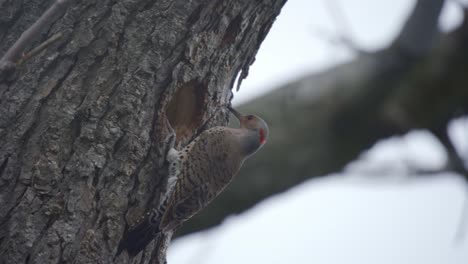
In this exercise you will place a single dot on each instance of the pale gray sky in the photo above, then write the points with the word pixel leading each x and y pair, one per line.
pixel 344 218
pixel 299 41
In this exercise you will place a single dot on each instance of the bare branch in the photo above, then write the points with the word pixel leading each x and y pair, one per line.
pixel 343 112
pixel 346 35
pixel 461 228
pixel 39 48
pixel 460 3
pixel 454 160
pixel 420 29
pixel 28 36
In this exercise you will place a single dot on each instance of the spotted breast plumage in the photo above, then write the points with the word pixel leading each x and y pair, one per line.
pixel 197 174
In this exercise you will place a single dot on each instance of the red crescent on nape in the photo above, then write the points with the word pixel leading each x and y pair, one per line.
pixel 262 136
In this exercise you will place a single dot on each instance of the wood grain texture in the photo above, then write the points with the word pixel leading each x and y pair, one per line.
pixel 83 129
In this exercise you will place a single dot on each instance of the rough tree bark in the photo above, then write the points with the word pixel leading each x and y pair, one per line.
pixel 84 125
pixel 323 121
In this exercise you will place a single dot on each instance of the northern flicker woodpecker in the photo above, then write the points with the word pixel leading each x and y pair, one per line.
pixel 197 174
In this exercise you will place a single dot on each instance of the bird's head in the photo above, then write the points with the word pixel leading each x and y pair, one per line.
pixel 254 124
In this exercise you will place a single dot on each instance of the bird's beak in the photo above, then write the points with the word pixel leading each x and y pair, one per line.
pixel 234 112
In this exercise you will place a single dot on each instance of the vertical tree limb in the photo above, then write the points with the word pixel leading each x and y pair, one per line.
pixel 16 51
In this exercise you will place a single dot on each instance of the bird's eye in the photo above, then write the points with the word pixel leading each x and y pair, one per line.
pixel 250 117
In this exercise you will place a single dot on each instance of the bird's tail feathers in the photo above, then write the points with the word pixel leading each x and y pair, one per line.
pixel 137 238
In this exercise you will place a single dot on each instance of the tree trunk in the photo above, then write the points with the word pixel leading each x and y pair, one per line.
pixel 84 126
pixel 325 120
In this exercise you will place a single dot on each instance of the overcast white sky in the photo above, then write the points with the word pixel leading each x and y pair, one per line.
pixel 360 216
pixel 300 40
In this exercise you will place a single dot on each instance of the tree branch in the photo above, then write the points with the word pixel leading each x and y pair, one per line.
pixel 323 121
pixel 39 48
pixel 346 35
pixel 16 51
pixel 419 31
pixel 454 160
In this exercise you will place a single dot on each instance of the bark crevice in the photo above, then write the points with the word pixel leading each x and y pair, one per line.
pixel 84 124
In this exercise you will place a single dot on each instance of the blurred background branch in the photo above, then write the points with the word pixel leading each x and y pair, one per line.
pixel 323 121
